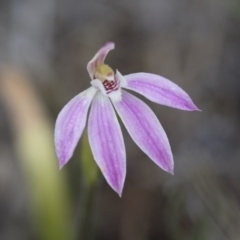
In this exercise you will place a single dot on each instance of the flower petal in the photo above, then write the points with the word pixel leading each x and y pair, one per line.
pixel 119 77
pixel 70 124
pixel 145 129
pixel 160 90
pixel 99 58
pixel 106 141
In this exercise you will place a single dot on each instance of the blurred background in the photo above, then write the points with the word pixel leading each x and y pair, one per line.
pixel 44 48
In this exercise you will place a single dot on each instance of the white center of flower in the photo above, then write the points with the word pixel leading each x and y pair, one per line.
pixel 107 76
pixel 104 72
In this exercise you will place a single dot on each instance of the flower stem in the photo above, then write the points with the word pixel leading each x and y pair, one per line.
pixel 89 187
pixel 87 224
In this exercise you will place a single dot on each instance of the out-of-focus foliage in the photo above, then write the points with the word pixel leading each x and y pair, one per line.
pixel 195 44
pixel 34 146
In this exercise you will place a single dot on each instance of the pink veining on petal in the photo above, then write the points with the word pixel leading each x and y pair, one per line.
pixel 99 58
pixel 160 90
pixel 70 124
pixel 145 129
pixel 106 141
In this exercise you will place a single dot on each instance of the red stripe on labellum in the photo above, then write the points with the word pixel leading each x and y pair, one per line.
pixel 111 85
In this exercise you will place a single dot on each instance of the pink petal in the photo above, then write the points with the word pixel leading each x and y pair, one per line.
pixel 70 124
pixel 160 90
pixel 99 58
pixel 106 141
pixel 145 129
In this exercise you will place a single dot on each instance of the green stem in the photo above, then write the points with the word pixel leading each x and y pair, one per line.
pixel 90 174
pixel 87 222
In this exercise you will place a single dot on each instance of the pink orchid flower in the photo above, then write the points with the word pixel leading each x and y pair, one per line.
pixel 104 132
